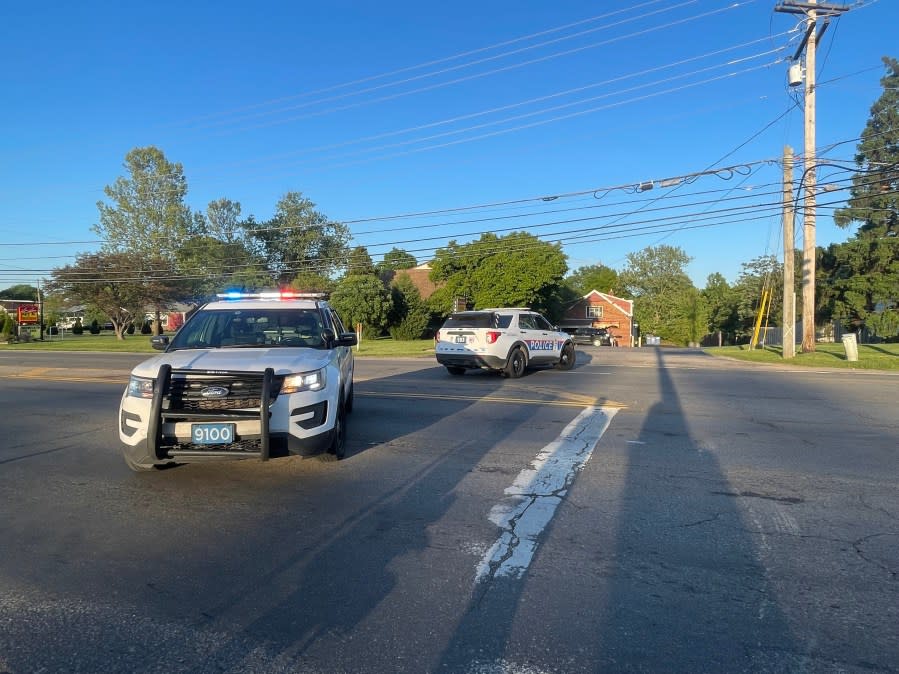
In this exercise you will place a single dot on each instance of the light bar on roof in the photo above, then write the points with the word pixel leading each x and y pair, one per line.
pixel 271 295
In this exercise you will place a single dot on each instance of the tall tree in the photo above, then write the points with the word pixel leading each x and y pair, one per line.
pixel 299 238
pixel 147 214
pixel 864 276
pixel 665 302
pixel 593 277
pixel 515 270
pixel 721 302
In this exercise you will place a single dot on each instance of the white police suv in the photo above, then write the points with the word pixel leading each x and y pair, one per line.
pixel 256 375
pixel 506 340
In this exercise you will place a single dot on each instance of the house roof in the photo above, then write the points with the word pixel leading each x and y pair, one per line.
pixel 624 306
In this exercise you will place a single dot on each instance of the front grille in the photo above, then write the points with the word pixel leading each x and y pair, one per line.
pixel 244 390
pixel 221 404
pixel 252 445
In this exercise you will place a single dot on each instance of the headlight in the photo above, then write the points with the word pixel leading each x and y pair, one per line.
pixel 139 387
pixel 307 381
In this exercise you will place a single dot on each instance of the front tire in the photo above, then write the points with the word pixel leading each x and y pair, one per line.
pixel 516 364
pixel 136 466
pixel 349 401
pixel 567 358
pixel 337 449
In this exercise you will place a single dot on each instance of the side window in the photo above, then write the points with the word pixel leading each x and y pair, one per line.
pixel 542 323
pixel 526 322
pixel 335 319
pixel 503 321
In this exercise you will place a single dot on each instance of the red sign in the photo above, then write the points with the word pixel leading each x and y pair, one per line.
pixel 29 313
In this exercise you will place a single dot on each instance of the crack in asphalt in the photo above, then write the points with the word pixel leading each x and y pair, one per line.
pixel 534 496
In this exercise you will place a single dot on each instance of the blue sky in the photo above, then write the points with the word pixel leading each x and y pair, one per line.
pixel 536 116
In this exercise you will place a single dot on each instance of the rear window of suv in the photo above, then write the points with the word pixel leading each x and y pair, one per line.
pixel 478 319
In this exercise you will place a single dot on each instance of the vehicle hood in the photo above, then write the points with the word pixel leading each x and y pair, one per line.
pixel 282 360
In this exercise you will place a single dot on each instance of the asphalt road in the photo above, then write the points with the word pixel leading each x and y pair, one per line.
pixel 648 511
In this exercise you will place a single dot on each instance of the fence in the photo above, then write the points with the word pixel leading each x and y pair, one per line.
pixel 829 332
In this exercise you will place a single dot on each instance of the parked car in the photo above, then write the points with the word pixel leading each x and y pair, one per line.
pixel 594 336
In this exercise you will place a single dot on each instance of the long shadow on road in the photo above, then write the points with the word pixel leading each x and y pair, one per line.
pixel 688 593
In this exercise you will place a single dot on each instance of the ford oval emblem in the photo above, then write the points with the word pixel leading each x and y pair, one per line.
pixel 214 392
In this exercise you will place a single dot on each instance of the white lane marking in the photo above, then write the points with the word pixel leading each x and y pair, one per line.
pixel 535 494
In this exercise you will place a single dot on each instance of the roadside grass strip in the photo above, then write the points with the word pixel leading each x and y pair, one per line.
pixel 533 497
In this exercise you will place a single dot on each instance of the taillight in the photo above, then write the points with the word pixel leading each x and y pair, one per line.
pixel 492 336
pixel 437 336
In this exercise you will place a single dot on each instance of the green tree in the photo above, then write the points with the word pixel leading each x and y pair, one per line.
pixel 362 298
pixel 118 286
pixel 223 220
pixel 147 217
pixel 311 282
pixel 665 302
pixel 359 261
pixel 395 259
pixel 147 214
pixel 593 277
pixel 721 303
pixel 515 270
pixel 409 315
pixel 760 275
pixel 863 273
pixel 299 238
pixel 7 326
pixel 23 291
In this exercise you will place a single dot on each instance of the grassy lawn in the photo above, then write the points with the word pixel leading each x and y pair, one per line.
pixel 394 348
pixel 870 356
pixel 106 341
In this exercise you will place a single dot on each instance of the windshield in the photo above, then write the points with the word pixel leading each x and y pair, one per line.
pixel 236 328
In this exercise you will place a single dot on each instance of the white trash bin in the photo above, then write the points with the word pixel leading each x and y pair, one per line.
pixel 851 347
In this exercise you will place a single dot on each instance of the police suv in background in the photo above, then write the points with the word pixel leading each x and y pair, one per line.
pixel 505 340
pixel 254 375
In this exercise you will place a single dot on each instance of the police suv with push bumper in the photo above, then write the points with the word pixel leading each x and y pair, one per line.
pixel 252 375
pixel 505 340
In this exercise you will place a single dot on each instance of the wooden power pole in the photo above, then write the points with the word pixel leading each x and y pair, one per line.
pixel 812 10
pixel 789 292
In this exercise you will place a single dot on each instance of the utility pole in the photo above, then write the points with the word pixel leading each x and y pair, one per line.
pixel 789 296
pixel 812 10
pixel 40 304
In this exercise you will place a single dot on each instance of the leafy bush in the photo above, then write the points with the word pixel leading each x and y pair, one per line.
pixel 8 327
pixel 78 329
pixel 146 329
pixel 362 298
pixel 95 327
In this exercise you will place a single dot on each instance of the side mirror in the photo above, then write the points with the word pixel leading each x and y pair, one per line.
pixel 346 339
pixel 159 342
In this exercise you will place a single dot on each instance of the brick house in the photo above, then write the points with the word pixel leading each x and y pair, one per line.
pixel 419 277
pixel 602 310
